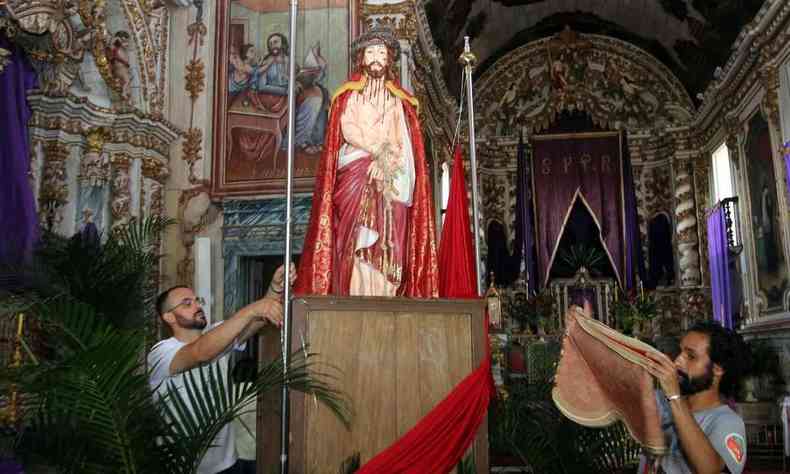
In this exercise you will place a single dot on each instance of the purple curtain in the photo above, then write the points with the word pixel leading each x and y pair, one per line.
pixel 787 165
pixel 586 169
pixel 18 220
pixel 719 269
pixel 525 236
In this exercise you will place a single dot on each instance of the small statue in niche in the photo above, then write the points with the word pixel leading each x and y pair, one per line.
pixel 118 56
pixel 88 232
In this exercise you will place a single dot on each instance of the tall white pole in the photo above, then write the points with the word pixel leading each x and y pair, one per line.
pixel 285 334
pixel 468 60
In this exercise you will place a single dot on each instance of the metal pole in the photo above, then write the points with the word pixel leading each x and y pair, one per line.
pixel 285 334
pixel 468 60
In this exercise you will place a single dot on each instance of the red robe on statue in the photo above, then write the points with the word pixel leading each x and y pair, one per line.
pixel 339 212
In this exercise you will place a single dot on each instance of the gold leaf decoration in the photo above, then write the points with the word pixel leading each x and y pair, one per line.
pixel 195 78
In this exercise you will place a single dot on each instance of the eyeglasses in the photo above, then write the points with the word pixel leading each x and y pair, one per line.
pixel 188 302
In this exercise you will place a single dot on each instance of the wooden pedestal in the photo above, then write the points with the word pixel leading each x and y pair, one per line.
pixel 397 358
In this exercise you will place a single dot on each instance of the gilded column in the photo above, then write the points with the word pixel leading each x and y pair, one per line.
pixel 54 189
pixel 685 212
pixel 701 166
pixel 94 168
pixel 121 192
pixel 154 176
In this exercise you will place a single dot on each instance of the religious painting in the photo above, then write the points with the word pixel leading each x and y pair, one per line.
pixel 772 274
pixel 251 90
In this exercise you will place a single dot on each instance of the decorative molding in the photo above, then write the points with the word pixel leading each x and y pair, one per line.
pixel 192 151
pixel 686 230
pixel 54 187
pixel 195 78
pixel 769 79
pixel 398 16
pixel 94 167
pixel 151 50
pixel 256 228
pixel 54 191
pixel 619 85
pixel 71 120
pixel 195 84
pixel 120 205
pixel 154 169
pixel 759 42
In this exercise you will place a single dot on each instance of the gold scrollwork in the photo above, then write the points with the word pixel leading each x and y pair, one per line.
pixel 195 78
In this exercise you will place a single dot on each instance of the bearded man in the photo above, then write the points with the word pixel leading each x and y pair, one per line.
pixel 704 434
pixel 371 230
pixel 193 345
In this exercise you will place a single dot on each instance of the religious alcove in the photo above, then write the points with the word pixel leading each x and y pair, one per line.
pixel 661 256
pixel 580 246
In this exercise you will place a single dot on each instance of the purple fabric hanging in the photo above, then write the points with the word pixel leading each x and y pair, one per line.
pixel 634 261
pixel 18 219
pixel 787 165
pixel 525 237
pixel 719 269
pixel 587 169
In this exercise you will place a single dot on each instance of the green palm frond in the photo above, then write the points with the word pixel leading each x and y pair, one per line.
pixel 114 277
pixel 209 402
pixel 87 404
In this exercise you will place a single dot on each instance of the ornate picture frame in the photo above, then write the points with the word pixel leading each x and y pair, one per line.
pixel 768 250
pixel 250 90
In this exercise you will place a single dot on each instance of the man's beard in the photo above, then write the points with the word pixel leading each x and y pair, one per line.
pixel 692 385
pixel 192 323
pixel 375 73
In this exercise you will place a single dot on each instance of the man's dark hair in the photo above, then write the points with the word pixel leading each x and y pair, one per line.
pixel 161 300
pixel 244 51
pixel 726 349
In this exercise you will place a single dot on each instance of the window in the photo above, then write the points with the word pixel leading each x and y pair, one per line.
pixel 723 185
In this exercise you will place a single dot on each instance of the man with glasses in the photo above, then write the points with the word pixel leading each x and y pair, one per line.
pixel 192 345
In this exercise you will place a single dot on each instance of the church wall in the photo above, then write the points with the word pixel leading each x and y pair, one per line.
pixel 754 82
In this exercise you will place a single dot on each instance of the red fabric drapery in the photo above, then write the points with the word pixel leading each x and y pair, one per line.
pixel 438 441
pixel 587 168
pixel 456 251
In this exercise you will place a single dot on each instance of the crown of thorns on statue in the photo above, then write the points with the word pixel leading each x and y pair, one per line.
pixel 374 36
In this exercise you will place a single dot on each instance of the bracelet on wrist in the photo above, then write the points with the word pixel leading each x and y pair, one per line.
pixel 674 397
pixel 278 292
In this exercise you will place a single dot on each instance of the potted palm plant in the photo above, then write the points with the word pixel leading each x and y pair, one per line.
pixel 87 406
pixel 634 312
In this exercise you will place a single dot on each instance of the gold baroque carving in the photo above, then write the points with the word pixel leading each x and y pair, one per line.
pixel 388 14
pixel 192 151
pixel 769 78
pixel 620 85
pixel 95 139
pixel 54 191
pixel 154 169
pixel 195 78
pixel 121 160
